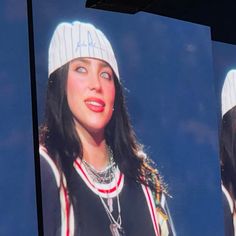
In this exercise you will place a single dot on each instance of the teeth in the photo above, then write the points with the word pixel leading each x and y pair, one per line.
pixel 94 103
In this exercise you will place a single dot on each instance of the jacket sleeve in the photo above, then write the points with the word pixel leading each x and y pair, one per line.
pixel 50 200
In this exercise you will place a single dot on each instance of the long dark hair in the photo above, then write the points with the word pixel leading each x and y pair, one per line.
pixel 59 137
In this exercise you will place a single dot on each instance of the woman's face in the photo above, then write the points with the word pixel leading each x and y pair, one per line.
pixel 90 94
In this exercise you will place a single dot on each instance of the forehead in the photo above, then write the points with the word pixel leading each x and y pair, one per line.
pixel 90 61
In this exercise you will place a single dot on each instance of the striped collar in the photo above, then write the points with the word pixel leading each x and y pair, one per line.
pixel 104 190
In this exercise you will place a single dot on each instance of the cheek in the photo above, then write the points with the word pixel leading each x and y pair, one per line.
pixel 74 93
pixel 74 88
pixel 70 93
pixel 111 95
pixel 113 98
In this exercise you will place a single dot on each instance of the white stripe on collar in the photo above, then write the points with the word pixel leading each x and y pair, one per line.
pixel 104 190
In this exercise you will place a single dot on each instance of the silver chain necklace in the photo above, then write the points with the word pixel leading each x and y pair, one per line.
pixel 102 176
pixel 115 225
pixel 105 177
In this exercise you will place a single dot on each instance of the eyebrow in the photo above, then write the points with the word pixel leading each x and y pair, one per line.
pixel 87 61
pixel 84 60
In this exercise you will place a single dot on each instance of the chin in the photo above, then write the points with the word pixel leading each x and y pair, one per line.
pixel 96 127
pixel 98 124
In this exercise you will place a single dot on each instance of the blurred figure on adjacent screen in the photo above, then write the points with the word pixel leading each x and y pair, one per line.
pixel 228 151
pixel 96 178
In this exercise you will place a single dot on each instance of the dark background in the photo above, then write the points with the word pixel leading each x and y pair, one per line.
pixel 219 15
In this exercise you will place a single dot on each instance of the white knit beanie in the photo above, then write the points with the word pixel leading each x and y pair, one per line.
pixel 77 39
pixel 228 94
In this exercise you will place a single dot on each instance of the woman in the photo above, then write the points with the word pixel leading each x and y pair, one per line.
pixel 96 179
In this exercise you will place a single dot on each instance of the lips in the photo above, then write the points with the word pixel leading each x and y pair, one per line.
pixel 95 104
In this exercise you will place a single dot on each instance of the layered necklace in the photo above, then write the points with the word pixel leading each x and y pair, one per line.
pixel 106 176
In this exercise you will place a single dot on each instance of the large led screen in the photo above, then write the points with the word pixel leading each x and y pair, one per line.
pixel 165 69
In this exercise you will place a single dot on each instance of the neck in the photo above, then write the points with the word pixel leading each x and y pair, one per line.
pixel 94 149
pixel 96 154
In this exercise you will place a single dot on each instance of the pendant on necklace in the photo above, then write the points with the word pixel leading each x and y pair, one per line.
pixel 116 231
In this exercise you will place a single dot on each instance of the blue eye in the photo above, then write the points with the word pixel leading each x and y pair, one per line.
pixel 81 69
pixel 106 75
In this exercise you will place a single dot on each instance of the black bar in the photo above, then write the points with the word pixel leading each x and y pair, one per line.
pixel 34 117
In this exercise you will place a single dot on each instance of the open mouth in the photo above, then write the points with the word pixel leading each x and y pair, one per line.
pixel 95 104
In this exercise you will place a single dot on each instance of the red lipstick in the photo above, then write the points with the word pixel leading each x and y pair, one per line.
pixel 95 104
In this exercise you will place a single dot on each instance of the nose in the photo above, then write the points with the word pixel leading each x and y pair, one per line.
pixel 95 83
